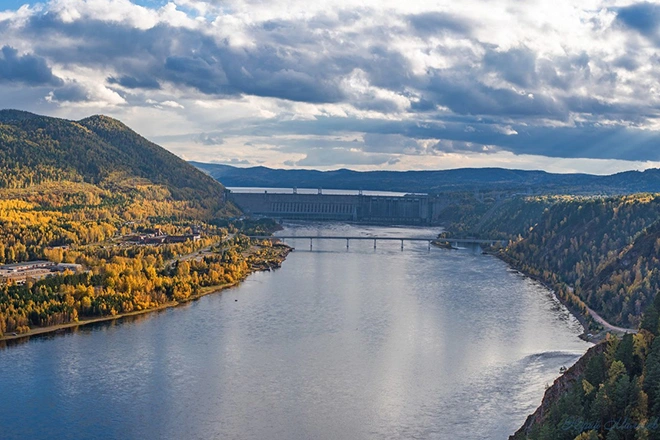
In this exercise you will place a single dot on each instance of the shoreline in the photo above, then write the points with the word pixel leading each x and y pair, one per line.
pixel 579 316
pixel 596 337
pixel 40 331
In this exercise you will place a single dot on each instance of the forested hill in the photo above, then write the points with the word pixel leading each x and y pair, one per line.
pixel 101 151
pixel 603 253
pixel 122 212
pixel 465 179
pixel 598 251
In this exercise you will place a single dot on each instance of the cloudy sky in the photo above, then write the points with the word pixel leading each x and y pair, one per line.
pixel 558 85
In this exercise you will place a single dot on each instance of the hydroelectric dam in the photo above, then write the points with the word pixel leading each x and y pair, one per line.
pixel 408 209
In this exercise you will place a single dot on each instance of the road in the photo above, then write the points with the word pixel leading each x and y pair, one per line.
pixel 198 254
pixel 609 326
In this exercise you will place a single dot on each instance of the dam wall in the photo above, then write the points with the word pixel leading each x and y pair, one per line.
pixel 408 209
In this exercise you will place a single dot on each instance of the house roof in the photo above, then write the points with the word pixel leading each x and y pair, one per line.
pixel 26 263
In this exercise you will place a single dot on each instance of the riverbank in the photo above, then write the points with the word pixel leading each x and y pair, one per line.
pixel 587 335
pixel 557 390
pixel 256 264
pixel 568 378
pixel 582 319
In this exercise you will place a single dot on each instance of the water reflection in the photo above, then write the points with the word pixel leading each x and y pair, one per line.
pixel 359 344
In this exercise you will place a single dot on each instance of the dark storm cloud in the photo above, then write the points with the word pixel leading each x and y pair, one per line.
pixel 643 17
pixel 27 69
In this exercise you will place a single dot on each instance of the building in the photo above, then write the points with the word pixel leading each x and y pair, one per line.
pixel 19 273
pixel 182 238
pixel 161 239
pixel 63 267
pixel 27 265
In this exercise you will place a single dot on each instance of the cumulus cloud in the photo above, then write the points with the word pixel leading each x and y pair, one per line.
pixel 234 161
pixel 342 157
pixel 72 92
pixel 431 23
pixel 390 143
pixel 27 69
pixel 643 17
pixel 132 82
pixel 517 65
pixel 549 78
pixel 209 139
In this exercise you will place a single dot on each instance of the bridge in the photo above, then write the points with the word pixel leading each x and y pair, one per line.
pixel 348 238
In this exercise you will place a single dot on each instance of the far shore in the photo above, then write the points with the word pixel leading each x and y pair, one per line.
pixel 83 322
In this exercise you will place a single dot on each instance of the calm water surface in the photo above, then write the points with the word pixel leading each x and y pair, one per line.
pixel 337 344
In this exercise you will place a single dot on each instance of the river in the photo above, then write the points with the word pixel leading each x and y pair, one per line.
pixel 339 343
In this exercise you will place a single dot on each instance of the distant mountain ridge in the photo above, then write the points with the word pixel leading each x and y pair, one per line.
pixel 98 150
pixel 462 179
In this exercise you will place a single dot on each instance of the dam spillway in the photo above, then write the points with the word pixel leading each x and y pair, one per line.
pixel 410 209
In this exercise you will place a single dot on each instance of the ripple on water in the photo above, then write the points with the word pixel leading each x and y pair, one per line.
pixel 353 344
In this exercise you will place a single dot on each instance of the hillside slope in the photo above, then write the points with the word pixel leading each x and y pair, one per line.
pixel 599 251
pixel 102 151
pixel 603 252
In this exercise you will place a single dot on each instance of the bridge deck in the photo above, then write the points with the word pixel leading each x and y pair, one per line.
pixel 357 237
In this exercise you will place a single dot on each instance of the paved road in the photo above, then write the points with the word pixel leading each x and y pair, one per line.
pixel 609 326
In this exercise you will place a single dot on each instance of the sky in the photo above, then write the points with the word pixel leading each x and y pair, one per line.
pixel 557 85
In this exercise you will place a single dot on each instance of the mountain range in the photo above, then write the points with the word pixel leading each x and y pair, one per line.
pixel 463 179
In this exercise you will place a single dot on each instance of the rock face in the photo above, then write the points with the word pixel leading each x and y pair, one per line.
pixel 561 385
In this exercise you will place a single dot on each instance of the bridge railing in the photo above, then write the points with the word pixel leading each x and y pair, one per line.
pixel 348 238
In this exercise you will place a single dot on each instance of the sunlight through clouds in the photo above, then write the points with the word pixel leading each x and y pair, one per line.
pixel 557 85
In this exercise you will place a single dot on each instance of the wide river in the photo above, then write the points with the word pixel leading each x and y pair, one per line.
pixel 337 344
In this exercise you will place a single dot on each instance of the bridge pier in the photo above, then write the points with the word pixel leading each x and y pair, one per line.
pixel 453 242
